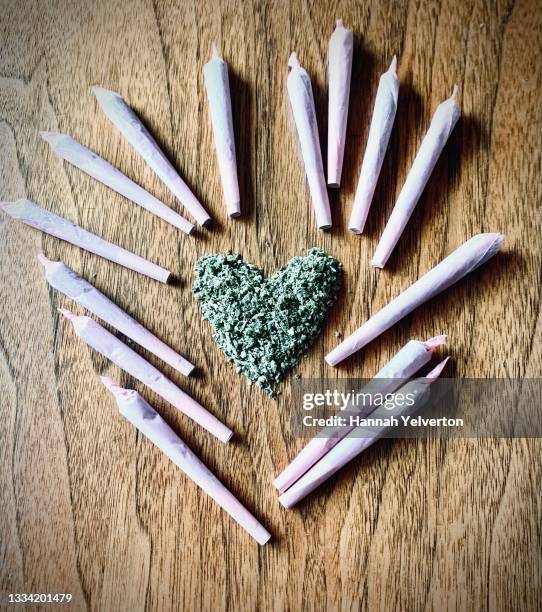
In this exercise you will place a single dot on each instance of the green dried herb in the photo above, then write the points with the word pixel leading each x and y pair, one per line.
pixel 264 325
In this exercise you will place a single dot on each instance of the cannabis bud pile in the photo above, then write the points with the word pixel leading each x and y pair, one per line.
pixel 264 325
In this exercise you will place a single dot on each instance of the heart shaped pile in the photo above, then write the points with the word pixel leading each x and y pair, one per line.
pixel 264 325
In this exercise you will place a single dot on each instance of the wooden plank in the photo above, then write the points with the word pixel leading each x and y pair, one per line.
pixel 91 508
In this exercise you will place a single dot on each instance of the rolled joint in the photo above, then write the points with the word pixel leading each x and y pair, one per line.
pixel 293 62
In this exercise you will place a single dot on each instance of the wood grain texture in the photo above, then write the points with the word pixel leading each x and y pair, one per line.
pixel 91 508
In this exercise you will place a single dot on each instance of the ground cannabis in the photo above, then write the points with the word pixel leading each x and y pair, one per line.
pixel 264 325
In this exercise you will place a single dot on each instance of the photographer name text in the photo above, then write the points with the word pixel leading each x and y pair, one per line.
pixel 355 420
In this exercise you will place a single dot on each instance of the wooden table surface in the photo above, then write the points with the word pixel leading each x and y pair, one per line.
pixel 91 508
